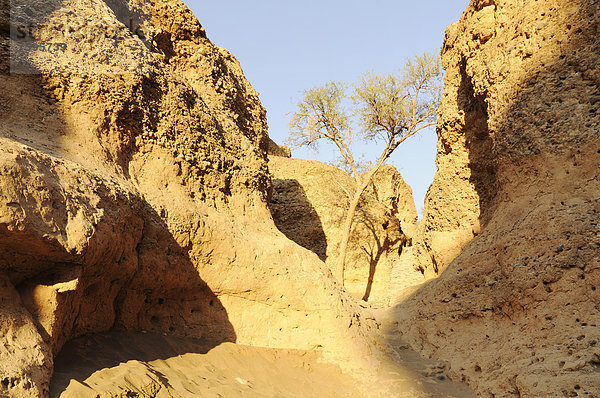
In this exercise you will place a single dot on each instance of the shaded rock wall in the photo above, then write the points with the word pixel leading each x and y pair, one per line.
pixel 514 208
pixel 133 195
pixel 309 204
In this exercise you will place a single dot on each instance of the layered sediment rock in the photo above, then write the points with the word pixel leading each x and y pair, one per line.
pixel 309 204
pixel 133 194
pixel 514 208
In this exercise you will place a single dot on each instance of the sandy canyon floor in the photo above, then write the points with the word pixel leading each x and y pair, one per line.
pixel 120 364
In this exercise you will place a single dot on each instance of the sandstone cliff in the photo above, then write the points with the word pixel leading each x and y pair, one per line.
pixel 273 149
pixel 134 186
pixel 309 204
pixel 516 198
pixel 133 194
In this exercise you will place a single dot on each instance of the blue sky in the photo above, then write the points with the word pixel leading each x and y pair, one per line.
pixel 286 47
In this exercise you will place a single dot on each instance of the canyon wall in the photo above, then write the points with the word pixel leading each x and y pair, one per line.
pixel 512 219
pixel 309 204
pixel 133 194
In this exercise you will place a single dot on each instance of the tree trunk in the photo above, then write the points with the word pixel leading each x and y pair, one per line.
pixel 347 230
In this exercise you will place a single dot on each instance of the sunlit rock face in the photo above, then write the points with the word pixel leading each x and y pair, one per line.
pixel 512 216
pixel 309 204
pixel 133 193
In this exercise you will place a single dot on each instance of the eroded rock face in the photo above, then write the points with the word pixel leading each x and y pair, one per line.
pixel 273 149
pixel 133 195
pixel 516 198
pixel 309 204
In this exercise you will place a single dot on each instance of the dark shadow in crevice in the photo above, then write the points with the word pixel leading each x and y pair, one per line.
pixel 479 143
pixel 296 217
pixel 481 151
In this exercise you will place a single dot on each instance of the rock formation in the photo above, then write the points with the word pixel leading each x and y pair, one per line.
pixel 134 185
pixel 273 149
pixel 133 194
pixel 514 212
pixel 309 204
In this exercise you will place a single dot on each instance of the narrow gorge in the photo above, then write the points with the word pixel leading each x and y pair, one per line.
pixel 155 242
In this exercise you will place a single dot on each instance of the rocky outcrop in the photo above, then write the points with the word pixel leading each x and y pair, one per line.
pixel 309 204
pixel 273 149
pixel 514 209
pixel 133 195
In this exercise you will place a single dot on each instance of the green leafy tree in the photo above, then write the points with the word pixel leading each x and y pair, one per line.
pixel 387 108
